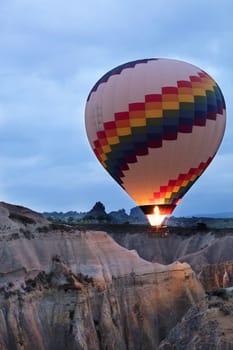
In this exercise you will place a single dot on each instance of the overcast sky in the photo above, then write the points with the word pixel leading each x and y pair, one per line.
pixel 53 52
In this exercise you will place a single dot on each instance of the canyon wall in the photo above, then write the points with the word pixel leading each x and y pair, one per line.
pixel 197 248
pixel 61 288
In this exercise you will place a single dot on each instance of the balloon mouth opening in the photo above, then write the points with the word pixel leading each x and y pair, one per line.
pixel 156 214
pixel 156 219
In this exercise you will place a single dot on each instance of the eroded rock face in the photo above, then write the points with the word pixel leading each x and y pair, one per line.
pixel 66 289
pixel 209 253
pixel 217 275
pixel 208 325
pixel 196 248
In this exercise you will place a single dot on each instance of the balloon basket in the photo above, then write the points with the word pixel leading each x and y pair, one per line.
pixel 158 232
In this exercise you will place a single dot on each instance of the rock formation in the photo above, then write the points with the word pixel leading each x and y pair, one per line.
pixel 61 288
pixel 98 215
pixel 217 275
pixel 67 288
pixel 196 248
pixel 207 325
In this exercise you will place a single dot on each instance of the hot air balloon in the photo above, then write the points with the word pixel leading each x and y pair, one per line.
pixel 155 125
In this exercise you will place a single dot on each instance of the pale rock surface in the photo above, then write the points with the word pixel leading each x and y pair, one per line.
pixel 67 289
pixel 195 248
pixel 207 326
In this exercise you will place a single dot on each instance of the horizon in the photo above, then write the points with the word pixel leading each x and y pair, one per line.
pixel 128 212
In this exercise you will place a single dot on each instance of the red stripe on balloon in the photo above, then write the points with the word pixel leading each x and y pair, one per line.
pixel 176 188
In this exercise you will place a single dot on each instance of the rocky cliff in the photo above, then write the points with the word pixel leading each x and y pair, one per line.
pixel 197 248
pixel 217 275
pixel 207 326
pixel 63 288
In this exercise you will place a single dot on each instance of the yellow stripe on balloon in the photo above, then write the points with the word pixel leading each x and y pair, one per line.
pixel 199 92
pixel 154 113
pixel 186 98
pixel 137 122
pixel 113 140
pixel 123 131
pixel 170 105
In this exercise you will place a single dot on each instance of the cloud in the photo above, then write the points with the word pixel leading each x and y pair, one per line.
pixel 213 192
pixel 52 53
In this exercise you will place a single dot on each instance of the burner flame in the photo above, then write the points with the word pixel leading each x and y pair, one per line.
pixel 156 219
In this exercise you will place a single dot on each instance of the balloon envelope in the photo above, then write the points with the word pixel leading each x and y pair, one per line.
pixel 155 125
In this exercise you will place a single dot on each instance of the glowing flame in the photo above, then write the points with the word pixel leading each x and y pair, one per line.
pixel 156 219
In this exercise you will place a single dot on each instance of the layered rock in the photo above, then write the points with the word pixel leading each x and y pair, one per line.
pixel 194 247
pixel 208 325
pixel 208 253
pixel 67 289
pixel 217 275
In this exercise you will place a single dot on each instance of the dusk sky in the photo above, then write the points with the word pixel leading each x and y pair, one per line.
pixel 51 55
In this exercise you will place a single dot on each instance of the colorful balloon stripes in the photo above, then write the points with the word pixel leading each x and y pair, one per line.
pixel 160 117
pixel 155 125
pixel 176 188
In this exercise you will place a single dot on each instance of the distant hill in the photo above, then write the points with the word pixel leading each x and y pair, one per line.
pixel 224 215
pixel 98 214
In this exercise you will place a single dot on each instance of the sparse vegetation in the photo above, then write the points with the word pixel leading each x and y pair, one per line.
pixel 21 218
pixel 218 292
pixel 97 215
pixel 27 233
pixel 201 226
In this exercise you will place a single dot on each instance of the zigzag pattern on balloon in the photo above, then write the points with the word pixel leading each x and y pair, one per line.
pixel 159 117
pixel 176 188
pixel 118 70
